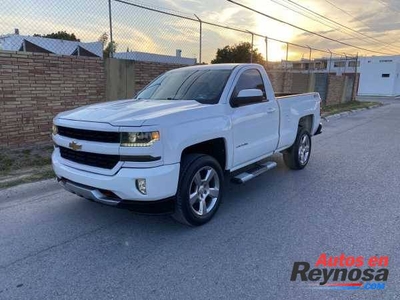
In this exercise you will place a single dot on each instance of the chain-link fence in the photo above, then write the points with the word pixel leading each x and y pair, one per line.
pixel 135 30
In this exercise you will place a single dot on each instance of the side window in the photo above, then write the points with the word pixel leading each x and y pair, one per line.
pixel 250 79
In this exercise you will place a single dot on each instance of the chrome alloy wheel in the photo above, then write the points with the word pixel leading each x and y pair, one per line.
pixel 304 149
pixel 204 191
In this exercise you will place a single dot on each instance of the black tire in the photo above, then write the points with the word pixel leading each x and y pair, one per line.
pixel 191 165
pixel 291 156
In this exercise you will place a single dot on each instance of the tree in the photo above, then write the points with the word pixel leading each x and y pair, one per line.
pixel 111 46
pixel 103 38
pixel 238 53
pixel 60 35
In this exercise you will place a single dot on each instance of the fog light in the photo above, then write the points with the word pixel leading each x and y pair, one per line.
pixel 141 185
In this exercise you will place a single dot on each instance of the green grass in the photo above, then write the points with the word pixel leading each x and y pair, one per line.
pixel 22 166
pixel 45 173
pixel 348 106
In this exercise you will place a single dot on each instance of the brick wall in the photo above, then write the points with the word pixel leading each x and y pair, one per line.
pixel 336 88
pixel 34 87
pixel 288 82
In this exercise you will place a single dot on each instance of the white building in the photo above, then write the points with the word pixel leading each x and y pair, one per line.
pixel 379 75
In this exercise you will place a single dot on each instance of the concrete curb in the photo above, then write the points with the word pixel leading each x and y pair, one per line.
pixel 348 113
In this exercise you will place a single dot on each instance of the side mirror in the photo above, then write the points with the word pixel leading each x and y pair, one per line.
pixel 246 97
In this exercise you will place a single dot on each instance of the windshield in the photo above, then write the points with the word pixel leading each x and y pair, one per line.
pixel 204 86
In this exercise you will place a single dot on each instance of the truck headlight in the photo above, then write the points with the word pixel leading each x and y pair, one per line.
pixel 139 139
pixel 55 130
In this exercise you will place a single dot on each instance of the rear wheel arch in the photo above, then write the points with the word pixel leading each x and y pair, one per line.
pixel 307 123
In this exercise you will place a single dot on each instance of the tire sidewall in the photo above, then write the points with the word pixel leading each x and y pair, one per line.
pixel 184 185
pixel 301 133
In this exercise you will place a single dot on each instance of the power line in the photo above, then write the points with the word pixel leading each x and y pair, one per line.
pixel 388 5
pixel 353 17
pixel 335 22
pixel 339 8
pixel 178 15
pixel 316 19
pixel 306 30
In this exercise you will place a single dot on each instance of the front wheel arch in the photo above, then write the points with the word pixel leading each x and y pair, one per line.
pixel 191 164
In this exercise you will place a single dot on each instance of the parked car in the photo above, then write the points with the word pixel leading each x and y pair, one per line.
pixel 170 148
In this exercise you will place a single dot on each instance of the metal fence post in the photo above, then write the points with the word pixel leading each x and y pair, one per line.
pixel 287 55
pixel 309 68
pixel 252 45
pixel 200 38
pixel 355 84
pixel 330 62
pixel 266 52
pixel 111 33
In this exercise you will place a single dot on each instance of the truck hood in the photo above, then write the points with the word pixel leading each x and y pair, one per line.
pixel 130 112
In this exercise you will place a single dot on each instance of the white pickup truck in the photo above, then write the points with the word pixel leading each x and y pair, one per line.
pixel 170 148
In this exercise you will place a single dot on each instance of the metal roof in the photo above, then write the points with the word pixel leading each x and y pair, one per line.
pixel 151 57
pixel 56 46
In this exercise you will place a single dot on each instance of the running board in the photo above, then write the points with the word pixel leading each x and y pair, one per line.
pixel 258 169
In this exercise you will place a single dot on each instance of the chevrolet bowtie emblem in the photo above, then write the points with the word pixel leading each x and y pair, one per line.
pixel 75 146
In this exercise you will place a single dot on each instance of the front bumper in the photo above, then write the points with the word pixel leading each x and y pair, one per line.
pixel 161 182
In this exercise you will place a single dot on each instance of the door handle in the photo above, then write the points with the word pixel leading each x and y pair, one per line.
pixel 270 110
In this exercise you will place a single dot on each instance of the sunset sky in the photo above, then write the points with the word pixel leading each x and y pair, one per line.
pixel 151 32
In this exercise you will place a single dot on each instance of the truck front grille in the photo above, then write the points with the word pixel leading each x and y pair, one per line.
pixel 105 161
pixel 89 135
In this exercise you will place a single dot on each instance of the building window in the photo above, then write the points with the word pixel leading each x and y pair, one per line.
pixel 385 75
pixel 339 64
pixel 352 63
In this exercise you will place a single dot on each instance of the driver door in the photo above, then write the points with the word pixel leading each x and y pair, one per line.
pixel 256 125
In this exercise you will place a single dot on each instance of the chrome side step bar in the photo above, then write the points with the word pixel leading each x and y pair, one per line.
pixel 254 172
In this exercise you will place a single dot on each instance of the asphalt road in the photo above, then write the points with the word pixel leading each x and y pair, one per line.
pixel 54 245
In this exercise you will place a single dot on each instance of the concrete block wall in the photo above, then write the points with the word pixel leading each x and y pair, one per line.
pixel 300 83
pixel 127 77
pixel 34 87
